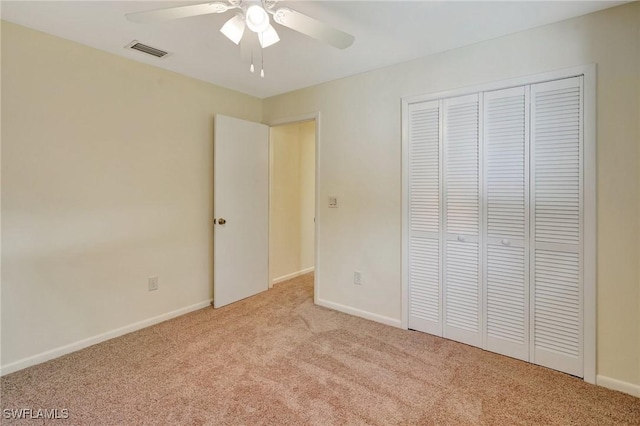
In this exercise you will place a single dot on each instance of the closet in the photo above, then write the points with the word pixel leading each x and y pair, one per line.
pixel 494 220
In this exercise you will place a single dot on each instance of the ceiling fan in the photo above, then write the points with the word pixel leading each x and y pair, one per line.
pixel 252 14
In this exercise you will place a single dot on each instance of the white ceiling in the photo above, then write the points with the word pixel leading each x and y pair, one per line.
pixel 386 32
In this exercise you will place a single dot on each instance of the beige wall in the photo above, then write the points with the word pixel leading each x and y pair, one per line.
pixel 106 180
pixel 291 234
pixel 284 203
pixel 360 163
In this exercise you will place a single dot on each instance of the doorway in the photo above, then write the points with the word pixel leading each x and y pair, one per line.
pixel 292 183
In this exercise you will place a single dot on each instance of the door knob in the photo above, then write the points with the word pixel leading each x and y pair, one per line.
pixel 221 221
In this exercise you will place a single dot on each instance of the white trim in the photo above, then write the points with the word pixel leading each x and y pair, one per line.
pixel 589 223
pixel 291 275
pixel 360 313
pixel 618 385
pixel 269 207
pixel 90 341
pixel 316 260
pixel 294 120
pixel 505 84
pixel 404 247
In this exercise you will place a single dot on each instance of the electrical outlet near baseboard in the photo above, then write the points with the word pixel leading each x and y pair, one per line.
pixel 357 278
pixel 153 283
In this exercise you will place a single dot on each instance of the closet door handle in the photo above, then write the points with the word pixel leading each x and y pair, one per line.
pixel 461 238
pixel 506 242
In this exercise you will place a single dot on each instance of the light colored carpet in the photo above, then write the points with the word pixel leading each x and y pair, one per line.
pixel 278 359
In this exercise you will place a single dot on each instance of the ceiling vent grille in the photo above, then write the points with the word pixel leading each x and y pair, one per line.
pixel 135 45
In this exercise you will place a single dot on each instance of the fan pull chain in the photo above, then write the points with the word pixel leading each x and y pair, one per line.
pixel 251 67
pixel 261 61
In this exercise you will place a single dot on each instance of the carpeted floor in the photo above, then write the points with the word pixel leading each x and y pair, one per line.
pixel 278 359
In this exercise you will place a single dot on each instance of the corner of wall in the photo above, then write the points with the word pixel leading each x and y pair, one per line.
pixel 85 343
pixel 618 385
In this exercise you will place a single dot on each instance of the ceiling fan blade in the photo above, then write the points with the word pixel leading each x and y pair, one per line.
pixel 313 28
pixel 179 12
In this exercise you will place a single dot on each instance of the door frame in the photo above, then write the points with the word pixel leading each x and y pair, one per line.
pixel 315 116
pixel 589 183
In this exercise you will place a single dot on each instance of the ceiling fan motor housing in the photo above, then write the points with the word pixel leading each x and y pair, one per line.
pixel 257 18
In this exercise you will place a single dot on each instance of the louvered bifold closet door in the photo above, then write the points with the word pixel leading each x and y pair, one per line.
pixel 506 254
pixel 557 204
pixel 462 212
pixel 424 217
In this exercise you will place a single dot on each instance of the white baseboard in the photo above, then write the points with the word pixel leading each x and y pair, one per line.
pixel 76 346
pixel 292 275
pixel 360 313
pixel 618 385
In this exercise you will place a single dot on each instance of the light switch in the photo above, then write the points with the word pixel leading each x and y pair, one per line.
pixel 333 202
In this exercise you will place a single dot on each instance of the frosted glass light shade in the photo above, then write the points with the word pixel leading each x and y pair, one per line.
pixel 233 29
pixel 268 37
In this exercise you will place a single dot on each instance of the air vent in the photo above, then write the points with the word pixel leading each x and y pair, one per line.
pixel 136 45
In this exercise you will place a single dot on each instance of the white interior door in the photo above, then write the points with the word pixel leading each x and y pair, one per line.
pixel 462 212
pixel 557 216
pixel 241 210
pixel 424 183
pixel 506 254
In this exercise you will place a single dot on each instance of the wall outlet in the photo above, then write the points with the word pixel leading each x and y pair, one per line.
pixel 357 278
pixel 153 283
pixel 333 202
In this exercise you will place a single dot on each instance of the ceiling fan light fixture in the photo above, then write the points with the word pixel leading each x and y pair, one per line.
pixel 268 37
pixel 257 19
pixel 233 29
